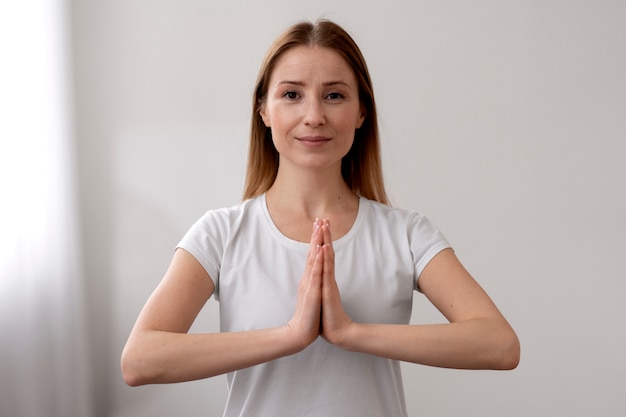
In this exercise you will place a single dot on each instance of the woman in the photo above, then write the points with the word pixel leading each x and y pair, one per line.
pixel 314 271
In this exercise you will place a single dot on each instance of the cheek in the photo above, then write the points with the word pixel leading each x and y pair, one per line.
pixel 282 123
pixel 278 129
pixel 350 118
pixel 348 122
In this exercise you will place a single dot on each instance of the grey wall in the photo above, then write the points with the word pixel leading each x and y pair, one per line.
pixel 503 121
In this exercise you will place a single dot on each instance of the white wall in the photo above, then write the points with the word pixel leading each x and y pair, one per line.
pixel 502 121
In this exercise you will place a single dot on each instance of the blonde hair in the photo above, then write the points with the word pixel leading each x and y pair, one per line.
pixel 361 168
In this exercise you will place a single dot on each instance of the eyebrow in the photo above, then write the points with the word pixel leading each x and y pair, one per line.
pixel 325 84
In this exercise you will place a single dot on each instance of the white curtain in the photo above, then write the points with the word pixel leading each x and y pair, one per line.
pixel 43 348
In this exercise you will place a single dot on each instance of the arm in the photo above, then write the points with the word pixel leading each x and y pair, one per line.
pixel 159 349
pixel 476 337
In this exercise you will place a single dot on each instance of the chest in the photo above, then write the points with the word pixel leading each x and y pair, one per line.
pixel 300 228
pixel 258 285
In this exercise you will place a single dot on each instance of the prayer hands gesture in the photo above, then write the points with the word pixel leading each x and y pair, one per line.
pixel 319 311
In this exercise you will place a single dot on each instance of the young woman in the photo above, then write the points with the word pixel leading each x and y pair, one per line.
pixel 314 271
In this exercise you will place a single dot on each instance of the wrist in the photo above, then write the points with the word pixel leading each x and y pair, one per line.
pixel 349 337
pixel 294 341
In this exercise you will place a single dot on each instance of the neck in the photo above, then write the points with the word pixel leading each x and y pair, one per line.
pixel 312 193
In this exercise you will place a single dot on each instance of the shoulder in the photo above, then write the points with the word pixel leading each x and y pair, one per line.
pixel 389 214
pixel 217 224
pixel 403 224
pixel 226 216
pixel 212 233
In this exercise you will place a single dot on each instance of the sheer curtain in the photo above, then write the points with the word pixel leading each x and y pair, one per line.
pixel 43 350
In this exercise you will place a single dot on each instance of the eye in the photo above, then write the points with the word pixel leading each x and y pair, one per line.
pixel 335 96
pixel 291 95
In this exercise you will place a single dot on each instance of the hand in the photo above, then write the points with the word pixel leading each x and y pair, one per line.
pixel 335 321
pixel 305 323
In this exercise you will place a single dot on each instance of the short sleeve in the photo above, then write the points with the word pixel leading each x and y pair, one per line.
pixel 205 240
pixel 426 241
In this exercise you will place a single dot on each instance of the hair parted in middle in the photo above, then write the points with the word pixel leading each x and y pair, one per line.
pixel 361 168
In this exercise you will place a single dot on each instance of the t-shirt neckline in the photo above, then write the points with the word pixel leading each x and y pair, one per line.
pixel 337 244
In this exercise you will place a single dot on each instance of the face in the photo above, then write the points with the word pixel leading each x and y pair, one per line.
pixel 312 108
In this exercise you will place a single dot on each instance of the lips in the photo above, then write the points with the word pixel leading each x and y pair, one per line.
pixel 314 140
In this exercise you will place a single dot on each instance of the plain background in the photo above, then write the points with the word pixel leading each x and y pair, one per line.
pixel 503 121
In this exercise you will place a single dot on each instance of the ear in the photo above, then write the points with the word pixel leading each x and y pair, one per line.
pixel 264 116
pixel 361 118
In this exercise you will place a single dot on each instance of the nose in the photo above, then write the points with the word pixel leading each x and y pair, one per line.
pixel 314 113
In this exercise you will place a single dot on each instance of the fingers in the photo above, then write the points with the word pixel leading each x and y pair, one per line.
pixel 315 243
pixel 314 266
pixel 327 242
pixel 328 252
pixel 306 320
pixel 335 321
pixel 329 284
pixel 316 237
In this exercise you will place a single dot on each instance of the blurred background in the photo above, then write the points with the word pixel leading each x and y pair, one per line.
pixel 122 122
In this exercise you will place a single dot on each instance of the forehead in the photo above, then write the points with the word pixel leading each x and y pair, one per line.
pixel 312 62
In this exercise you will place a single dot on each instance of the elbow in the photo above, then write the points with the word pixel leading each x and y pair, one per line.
pixel 132 379
pixel 131 376
pixel 509 352
pixel 133 369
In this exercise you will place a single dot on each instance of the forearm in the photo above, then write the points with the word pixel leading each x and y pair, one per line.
pixel 472 344
pixel 152 357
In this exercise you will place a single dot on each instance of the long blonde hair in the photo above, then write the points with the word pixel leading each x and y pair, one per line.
pixel 361 168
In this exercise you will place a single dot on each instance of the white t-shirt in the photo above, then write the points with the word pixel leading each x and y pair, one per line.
pixel 256 271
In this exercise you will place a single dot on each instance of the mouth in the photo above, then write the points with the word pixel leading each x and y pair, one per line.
pixel 313 140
